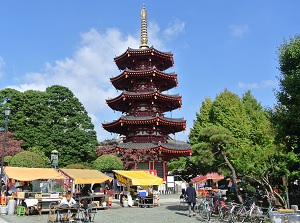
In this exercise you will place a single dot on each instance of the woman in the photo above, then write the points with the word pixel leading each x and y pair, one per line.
pixel 68 201
pixel 191 198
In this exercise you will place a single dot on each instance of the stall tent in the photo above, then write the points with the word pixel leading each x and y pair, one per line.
pixel 82 176
pixel 30 174
pixel 215 177
pixel 137 178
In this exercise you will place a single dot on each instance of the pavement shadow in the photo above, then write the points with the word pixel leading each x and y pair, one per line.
pixel 182 214
pixel 173 207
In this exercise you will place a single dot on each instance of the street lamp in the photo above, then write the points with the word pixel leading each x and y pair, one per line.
pixel 7 113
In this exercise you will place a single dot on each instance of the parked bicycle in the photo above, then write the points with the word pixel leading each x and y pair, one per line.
pixel 204 206
pixel 247 211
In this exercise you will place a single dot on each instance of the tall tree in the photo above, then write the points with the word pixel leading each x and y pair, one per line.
pixel 235 132
pixel 72 132
pixel 286 114
pixel 53 120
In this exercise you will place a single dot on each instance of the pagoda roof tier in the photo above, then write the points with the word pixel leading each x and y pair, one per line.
pixel 125 100
pixel 171 146
pixel 162 60
pixel 163 81
pixel 120 126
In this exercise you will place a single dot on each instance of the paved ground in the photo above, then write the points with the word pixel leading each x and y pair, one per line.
pixel 169 211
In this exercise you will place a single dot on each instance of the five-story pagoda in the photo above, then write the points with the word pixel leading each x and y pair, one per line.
pixel 143 126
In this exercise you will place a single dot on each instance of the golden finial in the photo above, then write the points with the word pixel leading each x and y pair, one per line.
pixel 144 35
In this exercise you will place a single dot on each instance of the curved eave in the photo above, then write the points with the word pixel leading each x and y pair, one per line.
pixel 125 100
pixel 144 96
pixel 129 56
pixel 143 73
pixel 121 125
pixel 125 80
pixel 182 148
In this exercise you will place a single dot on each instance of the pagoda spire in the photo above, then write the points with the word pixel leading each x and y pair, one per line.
pixel 144 34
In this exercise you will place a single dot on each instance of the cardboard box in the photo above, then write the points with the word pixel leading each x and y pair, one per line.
pixel 38 196
pixel 108 198
pixel 20 195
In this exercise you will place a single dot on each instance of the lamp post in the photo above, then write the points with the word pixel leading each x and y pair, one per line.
pixel 7 113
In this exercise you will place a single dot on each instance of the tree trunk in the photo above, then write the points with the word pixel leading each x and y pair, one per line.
pixel 234 175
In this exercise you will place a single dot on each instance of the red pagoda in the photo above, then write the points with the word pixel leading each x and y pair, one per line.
pixel 143 127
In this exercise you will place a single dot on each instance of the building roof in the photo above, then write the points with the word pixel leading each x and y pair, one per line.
pixel 162 60
pixel 126 99
pixel 120 126
pixel 170 146
pixel 164 81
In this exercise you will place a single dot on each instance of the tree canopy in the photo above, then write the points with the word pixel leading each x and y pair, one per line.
pixel 27 159
pixel 108 162
pixel 286 115
pixel 52 120
pixel 232 135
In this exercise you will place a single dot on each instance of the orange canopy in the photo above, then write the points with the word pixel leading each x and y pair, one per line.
pixel 209 176
pixel 29 174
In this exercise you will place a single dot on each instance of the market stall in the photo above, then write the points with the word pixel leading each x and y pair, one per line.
pixel 140 178
pixel 42 179
pixel 74 179
pixel 207 183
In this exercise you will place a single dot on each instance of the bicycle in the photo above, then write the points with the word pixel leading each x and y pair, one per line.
pixel 204 208
pixel 243 212
pixel 220 208
pixel 246 212
pixel 224 210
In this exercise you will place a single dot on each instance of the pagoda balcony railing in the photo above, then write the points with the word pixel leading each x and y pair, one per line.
pixel 144 139
pixel 146 113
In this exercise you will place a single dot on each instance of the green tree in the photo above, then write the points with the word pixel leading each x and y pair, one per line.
pixel 106 163
pixel 235 136
pixel 286 114
pixel 27 159
pixel 71 130
pixel 52 120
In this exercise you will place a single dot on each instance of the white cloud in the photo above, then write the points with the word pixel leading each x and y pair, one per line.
pixel 86 73
pixel 174 29
pixel 262 84
pixel 238 30
pixel 247 85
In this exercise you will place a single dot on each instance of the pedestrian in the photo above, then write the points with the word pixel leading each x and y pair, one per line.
pixel 191 199
pixel 183 187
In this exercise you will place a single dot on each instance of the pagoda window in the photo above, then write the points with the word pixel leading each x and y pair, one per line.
pixel 143 166
pixel 143 65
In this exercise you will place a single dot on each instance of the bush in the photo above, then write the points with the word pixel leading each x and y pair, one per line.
pixel 27 159
pixel 107 163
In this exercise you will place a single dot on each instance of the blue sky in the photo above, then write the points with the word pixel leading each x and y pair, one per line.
pixel 216 45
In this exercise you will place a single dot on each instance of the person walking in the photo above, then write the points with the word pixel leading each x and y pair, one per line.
pixel 191 198
pixel 183 187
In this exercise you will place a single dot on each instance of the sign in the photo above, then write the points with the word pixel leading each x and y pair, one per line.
pixel 152 172
pixel 170 181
